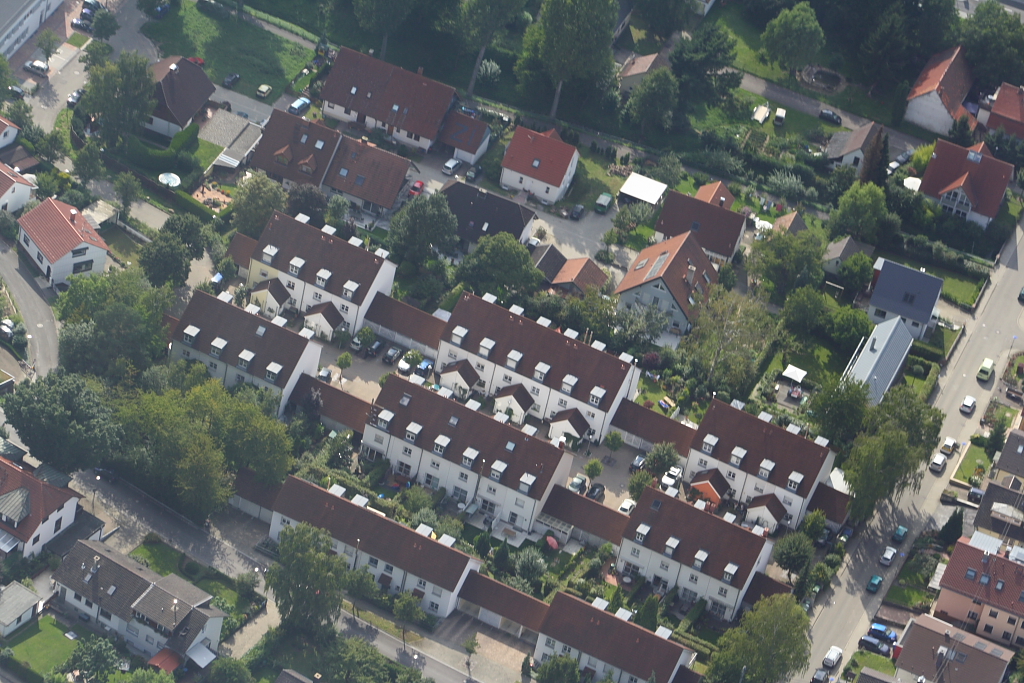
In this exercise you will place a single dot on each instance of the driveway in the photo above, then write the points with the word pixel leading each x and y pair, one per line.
pixel 33 298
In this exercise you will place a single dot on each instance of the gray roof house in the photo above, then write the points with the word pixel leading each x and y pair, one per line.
pixel 877 362
pixel 837 253
pixel 905 293
pixel 17 607
pixel 847 148
pixel 1011 459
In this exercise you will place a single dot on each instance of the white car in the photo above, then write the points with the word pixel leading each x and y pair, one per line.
pixel 968 406
pixel 451 166
pixel 949 446
pixel 627 506
pixel 833 657
pixel 888 556
pixel 671 478
pixel 938 463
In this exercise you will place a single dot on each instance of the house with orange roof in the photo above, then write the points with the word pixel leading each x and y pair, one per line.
pixel 1006 112
pixel 937 98
pixel 61 242
pixel 967 181
pixel 539 163
pixel 8 132
pixel 716 193
pixel 15 189
pixel 578 275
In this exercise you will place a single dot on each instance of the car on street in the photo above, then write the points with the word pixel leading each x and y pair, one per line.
pixel 820 676
pixel 299 106
pixel 577 212
pixel 938 463
pixel 416 189
pixel 263 91
pixel 75 97
pixel 872 644
pixel 198 61
pixel 949 446
pixel 325 375
pixel 845 534
pixel 831 117
pixel 968 406
pixel 596 492
pixel 88 14
pixel 231 80
pixel 393 355
pixel 451 166
pixel 578 484
pixel 1020 297
pixel 888 556
pixel 832 657
pixel 883 633
pixel 83 26
pixel 874 583
pixel 988 366
pixel 900 534
pixel 627 506
pixel 638 463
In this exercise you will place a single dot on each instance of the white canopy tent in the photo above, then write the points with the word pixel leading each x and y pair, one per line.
pixel 643 188
pixel 794 373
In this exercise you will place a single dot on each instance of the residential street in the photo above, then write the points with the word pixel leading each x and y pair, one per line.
pixel 842 616
pixel 32 299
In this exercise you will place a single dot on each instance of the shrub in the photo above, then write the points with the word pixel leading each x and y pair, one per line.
pixel 490 72
pixel 692 617
pixel 152 538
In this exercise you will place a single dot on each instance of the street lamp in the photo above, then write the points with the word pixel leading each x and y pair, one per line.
pixel 355 563
pixel 94 490
pixel 175 603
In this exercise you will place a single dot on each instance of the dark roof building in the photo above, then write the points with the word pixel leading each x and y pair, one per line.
pixel 582 513
pixel 652 427
pixel 295 151
pixel 481 213
pixel 367 174
pixel 717 229
pixel 934 651
pixel 906 293
pixel 339 409
pixel 407 324
pixel 182 89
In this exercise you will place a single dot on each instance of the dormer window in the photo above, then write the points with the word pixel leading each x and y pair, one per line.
pixel 710 441
pixel 273 370
pixel 217 347
pixel 795 479
pixel 349 290
pixel 736 459
pixel 541 371
pixel 384 419
pixel 458 334
pixel 469 457
pixel 244 358
pixel 486 346
pixel 322 276
pixel 671 545
pixel 766 468
pixel 295 265
pixel 441 443
pixel 596 396
pixel 730 571
pixel 269 252
pixel 526 482
pixel 412 431
pixel 699 559
pixel 641 533
pixel 190 334
pixel 569 383
pixel 512 362
pixel 498 469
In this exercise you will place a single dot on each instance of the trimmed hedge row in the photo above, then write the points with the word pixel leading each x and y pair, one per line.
pixel 926 352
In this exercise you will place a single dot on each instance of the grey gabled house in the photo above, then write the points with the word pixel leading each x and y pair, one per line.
pixel 905 293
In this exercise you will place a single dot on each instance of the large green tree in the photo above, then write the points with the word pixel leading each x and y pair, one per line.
pixel 88 162
pixel 787 261
pixel 855 272
pixel 121 93
pixel 702 64
pixel 651 104
pixel 863 213
pixel 128 190
pixel 47 41
pixel 559 669
pixel 426 225
pixel 95 657
pixel 255 201
pixel 793 552
pixel 664 17
pixel 481 20
pixel 6 78
pixel 105 25
pixel 308 199
pixel 661 459
pixel 501 265
pixel 189 229
pixel 381 16
pixel 166 260
pixel 63 420
pixel 308 580
pixel 793 38
pixel 96 53
pixel 52 147
pixel 838 409
pixel 806 311
pixel 772 642
pixel 993 42
pixel 408 610
pixel 229 670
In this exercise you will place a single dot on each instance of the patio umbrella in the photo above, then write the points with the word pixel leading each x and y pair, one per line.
pixel 551 542
pixel 170 179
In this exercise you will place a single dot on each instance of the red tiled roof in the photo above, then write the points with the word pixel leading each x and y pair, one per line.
pixel 276 289
pixel 653 426
pixel 378 536
pixel 241 248
pixel 981 176
pixel 542 156
pixel 643 64
pixel 591 516
pixel 761 586
pixel 368 172
pixel 584 273
pixel 182 88
pixel 337 405
pixel 249 487
pixel 523 609
pixel 41 500
pixel 762 440
pixel 388 93
pixel 710 481
pixel 291 146
pixel 670 262
pixel 835 504
pixel 9 178
pixel 713 193
pixel 718 230
pixel 575 419
pixel 56 230
pixel 519 394
pixel 1008 110
pixel 948 74
pixel 791 222
pixel 770 502
pixel 464 132
pixel 464 369
pixel 1002 589
pixel 330 313
pixel 406 320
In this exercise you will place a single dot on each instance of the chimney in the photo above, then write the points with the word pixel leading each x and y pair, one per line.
pixel 74 215
pixel 691 272
pixel 419 71
pixel 873 340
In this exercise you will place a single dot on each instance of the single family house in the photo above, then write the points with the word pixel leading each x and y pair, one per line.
pixel 718 229
pixel 61 242
pixel 967 181
pixel 936 99
pixel 539 164
pixel 182 89
pixel 905 293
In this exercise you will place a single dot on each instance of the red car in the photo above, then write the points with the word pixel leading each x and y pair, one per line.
pixel 199 61
pixel 416 189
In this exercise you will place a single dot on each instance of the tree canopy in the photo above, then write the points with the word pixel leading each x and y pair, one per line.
pixel 772 641
pixel 482 19
pixel 839 409
pixel 307 580
pixel 863 213
pixel 122 93
pixel 501 265
pixel 786 261
pixel 381 16
pixel 993 42
pixel 166 260
pixel 661 459
pixel 651 104
pixel 701 66
pixel 426 225
pixel 254 203
pixel 794 37
pixel 310 200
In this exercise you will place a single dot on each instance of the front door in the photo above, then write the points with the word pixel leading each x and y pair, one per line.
pixel 512 518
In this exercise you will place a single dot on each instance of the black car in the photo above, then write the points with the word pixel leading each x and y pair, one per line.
pixel 231 80
pixel 80 25
pixel 596 492
pixel 577 212
pixel 872 644
pixel 75 97
pixel 374 349
pixel 92 4
pixel 15 93
pixel 393 355
pixel 831 117
pixel 824 539
pixel 820 676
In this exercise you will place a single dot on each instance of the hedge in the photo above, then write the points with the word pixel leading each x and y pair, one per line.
pixel 926 352
pixel 702 647
pixel 692 616
pixel 22 671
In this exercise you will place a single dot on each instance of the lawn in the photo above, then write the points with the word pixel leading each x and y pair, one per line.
pixel 974 459
pixel 651 391
pixel 63 124
pixel 591 180
pixel 229 47
pixel 819 361
pixel 160 557
pixel 123 247
pixel 42 645
pixel 956 287
pixel 942 339
pixel 207 153
pixel 78 39
pixel 862 658
pixel 911 587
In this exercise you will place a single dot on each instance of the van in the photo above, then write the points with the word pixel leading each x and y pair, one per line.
pixel 299 106
pixel 780 116
pixel 450 166
pixel 604 202
pixel 37 67
pixel 988 366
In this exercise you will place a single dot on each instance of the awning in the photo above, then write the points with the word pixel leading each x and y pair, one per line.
pixel 167 660
pixel 384 580
pixel 7 542
pixel 794 373
pixel 201 655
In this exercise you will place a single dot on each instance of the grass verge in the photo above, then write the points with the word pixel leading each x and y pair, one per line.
pixel 160 557
pixel 78 39
pixel 42 645
pixel 976 458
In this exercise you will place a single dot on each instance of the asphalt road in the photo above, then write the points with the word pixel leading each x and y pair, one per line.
pixel 844 613
pixel 391 648
pixel 32 300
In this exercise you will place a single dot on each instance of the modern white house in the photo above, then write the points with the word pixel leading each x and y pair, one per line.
pixel 15 189
pixel 879 359
pixel 539 164
pixel 34 511
pixel 18 604
pixel 61 242
pixel 20 19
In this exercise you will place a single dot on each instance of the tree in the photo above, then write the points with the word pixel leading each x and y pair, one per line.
pixel 813 524
pixel 105 25
pixel 559 669
pixel 502 558
pixel 875 168
pixel 408 610
pixel 529 564
pixel 255 201
pixel 6 78
pixel 501 265
pixel 366 336
pixel 593 469
pixel 381 16
pixel 88 163
pixel 638 482
pixel 792 552
pixel 19 112
pixel 48 42
pixel 52 147
pixel 838 409
pixel 848 326
pixel 794 37
pixel 63 421
pixel 821 574
pixel 426 225
pixel 481 20
pixel 994 33
pixel 614 441
pixel 470 645
pixel 727 277
pixel 953 529
pixel 996 436
pixel 787 261
pixel 202 484
pixel 166 260
pixel 806 311
pixel 307 580
pixel 668 170
pixel 344 362
pixel 190 231
pixel 651 104
pixel 661 459
pixel 9 226
pixel 573 40
pixel 95 53
pixel 664 16
pixel 96 658
pixel 128 190
pixel 960 133
pixel 647 615
pixel 863 214
pixel 228 670
pixel 310 200
pixel 855 272
pixel 122 94
pixel 639 327
pixel 772 642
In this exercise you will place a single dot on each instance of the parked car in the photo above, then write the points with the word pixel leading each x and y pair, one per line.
pixel 404 368
pixel 883 633
pixel 833 657
pixel 671 478
pixel 831 117
pixel 356 345
pixel 299 106
pixel 627 506
pixel 988 366
pixel 949 446
pixel 904 157
pixel 75 97
pixel 231 80
pixel 416 189
pixel 425 368
pixel 473 173
pixel 938 463
pixel 37 67
pixel 638 463
pixel 872 644
pixel 578 484
pixel 900 534
pixel 263 91
pixel 451 166
pixel 604 202
pixel 820 676
pixel 596 492
pixel 874 583
pixel 888 556
pixel 845 534
pixel 968 406
pixel 325 375
pixel 891 168
pixel 393 355
pixel 1020 297
pixel 374 349
pixel 88 14
pixel 577 212
pixel 94 5
pixel 80 25
pixel 15 93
